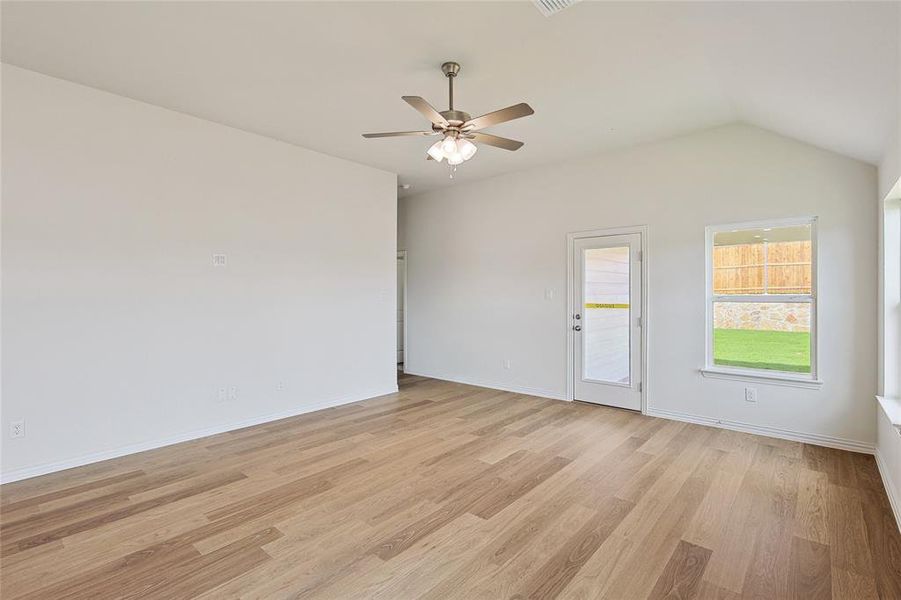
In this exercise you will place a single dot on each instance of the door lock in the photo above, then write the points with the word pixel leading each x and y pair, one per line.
pixel 577 328
pixel 577 316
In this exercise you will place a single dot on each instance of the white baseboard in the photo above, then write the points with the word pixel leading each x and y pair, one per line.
pixel 44 469
pixel 774 432
pixel 504 387
pixel 890 488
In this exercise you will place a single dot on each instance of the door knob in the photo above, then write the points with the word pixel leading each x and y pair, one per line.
pixel 577 328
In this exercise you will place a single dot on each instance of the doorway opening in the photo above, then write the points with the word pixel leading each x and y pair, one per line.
pixel 401 310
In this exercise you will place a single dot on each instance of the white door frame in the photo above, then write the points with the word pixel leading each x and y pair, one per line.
pixel 642 231
pixel 402 255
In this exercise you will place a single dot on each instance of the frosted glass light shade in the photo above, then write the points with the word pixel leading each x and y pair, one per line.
pixel 466 148
pixel 436 152
pixel 449 146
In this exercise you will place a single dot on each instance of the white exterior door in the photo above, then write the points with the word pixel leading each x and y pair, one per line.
pixel 606 320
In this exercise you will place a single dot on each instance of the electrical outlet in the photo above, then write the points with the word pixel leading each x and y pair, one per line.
pixel 280 387
pixel 222 393
pixel 233 392
pixel 750 394
pixel 508 364
pixel 17 429
pixel 549 294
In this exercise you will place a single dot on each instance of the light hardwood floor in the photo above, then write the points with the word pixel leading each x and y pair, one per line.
pixel 451 491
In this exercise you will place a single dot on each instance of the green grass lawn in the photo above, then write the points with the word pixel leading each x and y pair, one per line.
pixel 775 350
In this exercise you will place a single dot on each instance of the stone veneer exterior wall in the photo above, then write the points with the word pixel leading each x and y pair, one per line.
pixel 772 316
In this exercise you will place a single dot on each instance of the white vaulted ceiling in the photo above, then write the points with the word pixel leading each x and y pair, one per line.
pixel 599 75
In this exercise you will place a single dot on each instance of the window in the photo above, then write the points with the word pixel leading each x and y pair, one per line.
pixel 761 299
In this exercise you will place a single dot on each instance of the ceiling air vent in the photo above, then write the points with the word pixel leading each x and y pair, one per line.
pixel 552 7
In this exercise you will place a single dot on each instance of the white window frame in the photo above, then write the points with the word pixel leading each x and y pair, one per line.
pixel 748 374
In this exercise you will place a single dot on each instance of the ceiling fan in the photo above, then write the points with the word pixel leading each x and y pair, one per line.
pixel 457 128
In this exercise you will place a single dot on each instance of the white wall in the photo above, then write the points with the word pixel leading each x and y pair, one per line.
pixel 888 452
pixel 117 330
pixel 888 201
pixel 481 255
pixel 890 166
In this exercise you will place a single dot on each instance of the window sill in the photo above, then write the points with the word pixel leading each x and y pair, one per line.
pixel 892 408
pixel 770 378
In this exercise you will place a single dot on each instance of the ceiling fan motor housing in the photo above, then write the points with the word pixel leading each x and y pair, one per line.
pixel 454 117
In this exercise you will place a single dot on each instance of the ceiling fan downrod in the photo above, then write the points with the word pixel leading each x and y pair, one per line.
pixel 450 70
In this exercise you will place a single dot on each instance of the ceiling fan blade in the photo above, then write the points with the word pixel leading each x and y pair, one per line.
pixel 493 140
pixel 427 110
pixel 499 116
pixel 397 133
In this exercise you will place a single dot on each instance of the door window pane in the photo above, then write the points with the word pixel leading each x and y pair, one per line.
pixel 762 335
pixel 606 315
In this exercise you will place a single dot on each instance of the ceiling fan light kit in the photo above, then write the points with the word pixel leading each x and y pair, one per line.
pixel 457 128
pixel 456 151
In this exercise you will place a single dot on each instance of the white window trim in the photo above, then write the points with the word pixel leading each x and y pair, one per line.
pixel 742 374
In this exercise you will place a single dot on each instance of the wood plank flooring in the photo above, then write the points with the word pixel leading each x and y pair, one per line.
pixel 445 490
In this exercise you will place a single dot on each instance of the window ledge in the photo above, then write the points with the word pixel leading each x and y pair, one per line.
pixel 770 378
pixel 892 408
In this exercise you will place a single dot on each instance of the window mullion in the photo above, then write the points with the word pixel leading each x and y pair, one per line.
pixel 804 298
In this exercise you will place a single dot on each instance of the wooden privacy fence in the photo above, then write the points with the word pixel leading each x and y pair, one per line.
pixel 763 268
